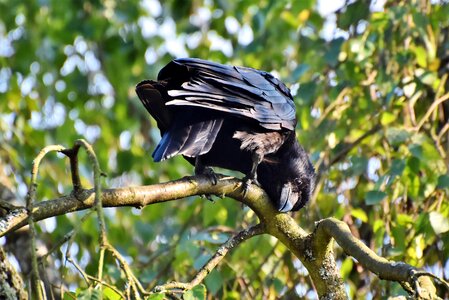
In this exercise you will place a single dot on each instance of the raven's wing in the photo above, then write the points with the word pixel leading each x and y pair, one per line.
pixel 236 90
pixel 189 132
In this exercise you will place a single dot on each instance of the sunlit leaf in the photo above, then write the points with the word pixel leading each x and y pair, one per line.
pixel 440 224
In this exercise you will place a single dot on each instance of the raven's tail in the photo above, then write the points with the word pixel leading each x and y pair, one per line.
pixel 154 95
pixel 191 140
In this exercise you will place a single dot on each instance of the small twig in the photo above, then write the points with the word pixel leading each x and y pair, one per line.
pixel 80 270
pixel 134 285
pixel 133 282
pixel 72 154
pixel 98 205
pixel 352 145
pixel 231 243
pixel 340 98
pixel 431 109
pixel 68 236
pixel 106 284
pixel 30 198
pixel 443 131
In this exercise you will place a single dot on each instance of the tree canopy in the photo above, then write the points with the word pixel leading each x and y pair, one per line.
pixel 370 82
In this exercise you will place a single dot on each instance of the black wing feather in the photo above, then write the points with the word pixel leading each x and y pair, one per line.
pixel 189 139
pixel 240 91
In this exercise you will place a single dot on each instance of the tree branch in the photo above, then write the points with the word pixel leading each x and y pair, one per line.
pixel 401 272
pixel 138 197
pixel 315 250
pixel 36 289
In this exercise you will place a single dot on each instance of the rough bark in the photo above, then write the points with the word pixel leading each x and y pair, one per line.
pixel 315 250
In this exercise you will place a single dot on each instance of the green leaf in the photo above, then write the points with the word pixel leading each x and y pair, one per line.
pixel 387 118
pixel 156 297
pixel 374 197
pixel 440 223
pixel 110 294
pixel 299 71
pixel 403 219
pixel 397 167
pixel 421 56
pixel 214 281
pixel 89 294
pixel 69 296
pixel 397 136
pixel 201 260
pixel 443 181
pixel 346 267
pixel 197 293
pixel 359 214
pixel 214 213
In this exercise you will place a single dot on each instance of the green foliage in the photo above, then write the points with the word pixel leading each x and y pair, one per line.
pixel 371 106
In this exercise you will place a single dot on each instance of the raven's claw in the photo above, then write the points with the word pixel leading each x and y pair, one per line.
pixel 210 174
pixel 208 197
pixel 245 185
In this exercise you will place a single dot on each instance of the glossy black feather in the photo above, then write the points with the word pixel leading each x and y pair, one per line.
pixel 240 91
pixel 232 117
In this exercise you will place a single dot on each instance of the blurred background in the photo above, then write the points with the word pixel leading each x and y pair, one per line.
pixel 370 80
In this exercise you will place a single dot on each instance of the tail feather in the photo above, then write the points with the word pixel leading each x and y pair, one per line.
pixel 153 96
pixel 188 139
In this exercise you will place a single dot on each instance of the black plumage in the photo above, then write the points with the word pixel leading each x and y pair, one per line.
pixel 231 117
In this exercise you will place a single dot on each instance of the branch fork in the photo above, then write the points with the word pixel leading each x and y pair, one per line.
pixel 315 250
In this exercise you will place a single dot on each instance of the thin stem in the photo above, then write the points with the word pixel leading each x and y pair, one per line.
pixel 72 154
pixel 431 109
pixel 98 205
pixel 30 199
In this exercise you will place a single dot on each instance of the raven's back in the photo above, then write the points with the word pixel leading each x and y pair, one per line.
pixel 193 97
pixel 239 91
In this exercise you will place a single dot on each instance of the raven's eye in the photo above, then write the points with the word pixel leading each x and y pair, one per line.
pixel 298 181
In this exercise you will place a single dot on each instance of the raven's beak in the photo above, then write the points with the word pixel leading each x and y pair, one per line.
pixel 287 197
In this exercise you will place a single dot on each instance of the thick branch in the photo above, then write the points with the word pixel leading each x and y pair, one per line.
pixel 329 228
pixel 138 197
pixel 314 250
pixel 11 285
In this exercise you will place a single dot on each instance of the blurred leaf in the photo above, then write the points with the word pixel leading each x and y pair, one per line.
pixel 440 224
pixel 374 197
pixel 387 118
pixel 214 281
pixel 214 213
pixel 156 297
pixel 443 181
pixel 397 136
pixel 359 214
pixel 197 293
pixel 110 294
pixel 346 268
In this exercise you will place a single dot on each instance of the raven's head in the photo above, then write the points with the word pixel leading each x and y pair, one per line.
pixel 288 177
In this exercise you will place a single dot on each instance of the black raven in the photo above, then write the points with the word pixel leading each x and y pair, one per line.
pixel 231 117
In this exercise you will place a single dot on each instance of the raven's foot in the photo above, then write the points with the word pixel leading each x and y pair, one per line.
pixel 247 181
pixel 208 197
pixel 209 173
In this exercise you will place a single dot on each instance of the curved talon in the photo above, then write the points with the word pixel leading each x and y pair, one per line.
pixel 208 197
pixel 245 185
pixel 209 173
